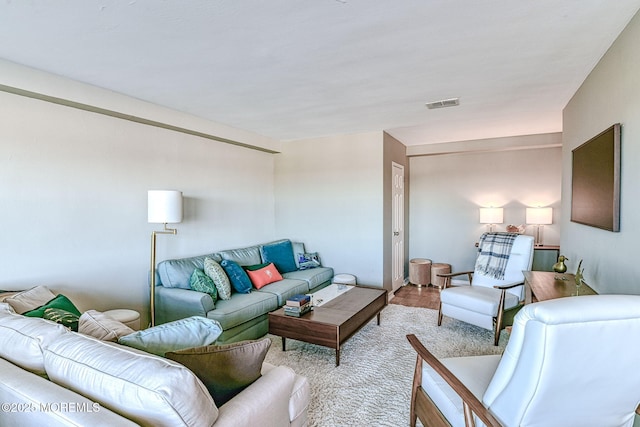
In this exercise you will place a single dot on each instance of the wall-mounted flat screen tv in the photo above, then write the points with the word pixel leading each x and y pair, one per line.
pixel 595 181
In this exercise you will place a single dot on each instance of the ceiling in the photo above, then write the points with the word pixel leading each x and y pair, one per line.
pixel 291 70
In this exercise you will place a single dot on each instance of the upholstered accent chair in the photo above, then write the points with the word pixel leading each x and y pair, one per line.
pixel 569 362
pixel 486 301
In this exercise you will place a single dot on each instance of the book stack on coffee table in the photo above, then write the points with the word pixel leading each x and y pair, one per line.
pixel 297 305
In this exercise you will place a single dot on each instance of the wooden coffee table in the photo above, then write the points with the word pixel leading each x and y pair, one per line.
pixel 332 323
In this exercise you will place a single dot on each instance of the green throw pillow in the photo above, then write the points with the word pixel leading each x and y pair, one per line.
pixel 256 267
pixel 60 302
pixel 200 282
pixel 219 277
pixel 65 318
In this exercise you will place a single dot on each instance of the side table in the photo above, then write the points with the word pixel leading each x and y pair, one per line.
pixel 545 285
pixel 131 318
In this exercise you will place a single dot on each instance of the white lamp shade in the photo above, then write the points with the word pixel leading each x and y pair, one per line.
pixel 491 216
pixel 539 216
pixel 165 206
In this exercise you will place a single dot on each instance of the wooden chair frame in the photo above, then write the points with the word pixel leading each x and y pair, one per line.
pixel 499 319
pixel 422 406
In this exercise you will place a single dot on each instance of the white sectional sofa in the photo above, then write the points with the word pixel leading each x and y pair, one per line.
pixel 54 377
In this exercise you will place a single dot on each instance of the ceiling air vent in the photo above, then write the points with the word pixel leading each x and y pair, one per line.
pixel 452 102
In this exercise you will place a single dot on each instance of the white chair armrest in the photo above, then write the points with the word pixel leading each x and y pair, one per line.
pixel 264 403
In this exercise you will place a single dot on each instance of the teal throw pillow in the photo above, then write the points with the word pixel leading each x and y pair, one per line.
pixel 63 317
pixel 200 282
pixel 281 255
pixel 309 260
pixel 194 331
pixel 60 302
pixel 219 277
pixel 238 277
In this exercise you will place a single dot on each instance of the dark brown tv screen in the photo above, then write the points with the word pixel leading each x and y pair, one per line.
pixel 595 181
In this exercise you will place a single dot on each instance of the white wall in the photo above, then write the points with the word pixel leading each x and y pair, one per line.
pixel 610 94
pixel 447 191
pixel 73 189
pixel 329 195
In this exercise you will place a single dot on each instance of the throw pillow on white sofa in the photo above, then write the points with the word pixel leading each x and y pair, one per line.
pixel 194 331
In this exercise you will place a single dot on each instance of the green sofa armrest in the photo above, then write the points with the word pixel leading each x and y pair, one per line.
pixel 177 303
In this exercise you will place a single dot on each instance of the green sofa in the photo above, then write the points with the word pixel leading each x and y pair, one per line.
pixel 245 315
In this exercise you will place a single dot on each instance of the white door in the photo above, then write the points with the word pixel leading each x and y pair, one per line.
pixel 397 220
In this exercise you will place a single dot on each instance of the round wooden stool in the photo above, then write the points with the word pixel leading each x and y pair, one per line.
pixel 439 268
pixel 420 272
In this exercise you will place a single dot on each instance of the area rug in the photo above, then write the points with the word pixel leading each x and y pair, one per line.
pixel 372 385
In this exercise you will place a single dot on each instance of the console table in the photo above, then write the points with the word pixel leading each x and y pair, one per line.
pixel 544 285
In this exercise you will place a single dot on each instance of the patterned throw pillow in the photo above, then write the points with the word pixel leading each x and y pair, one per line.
pixel 200 282
pixel 219 277
pixel 64 317
pixel 308 260
pixel 59 301
pixel 264 276
pixel 238 277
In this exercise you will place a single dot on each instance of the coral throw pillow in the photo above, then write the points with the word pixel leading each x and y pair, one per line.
pixel 264 276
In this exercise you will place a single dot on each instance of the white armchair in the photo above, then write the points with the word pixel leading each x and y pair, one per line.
pixel 485 300
pixel 569 362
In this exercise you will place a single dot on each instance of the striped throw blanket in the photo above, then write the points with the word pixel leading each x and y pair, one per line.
pixel 493 254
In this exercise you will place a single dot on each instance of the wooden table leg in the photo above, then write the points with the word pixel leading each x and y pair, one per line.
pixel 378 319
pixel 284 344
pixel 337 356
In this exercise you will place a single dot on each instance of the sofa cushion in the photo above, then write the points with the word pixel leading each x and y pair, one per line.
pixel 243 256
pixel 175 273
pixel 219 277
pixel 307 260
pixel 225 370
pixel 30 299
pixel 313 276
pixel 102 326
pixel 194 331
pixel 21 338
pixel 201 282
pixel 237 276
pixel 281 254
pixel 147 389
pixel 242 308
pixel 285 289
pixel 60 301
pixel 263 276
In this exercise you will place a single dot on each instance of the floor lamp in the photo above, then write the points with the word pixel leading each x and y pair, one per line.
pixel 164 207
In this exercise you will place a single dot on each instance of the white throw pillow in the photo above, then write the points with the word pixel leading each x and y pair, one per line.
pixel 102 326
pixel 30 299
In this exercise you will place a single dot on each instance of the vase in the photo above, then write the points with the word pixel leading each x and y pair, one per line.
pixel 560 266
